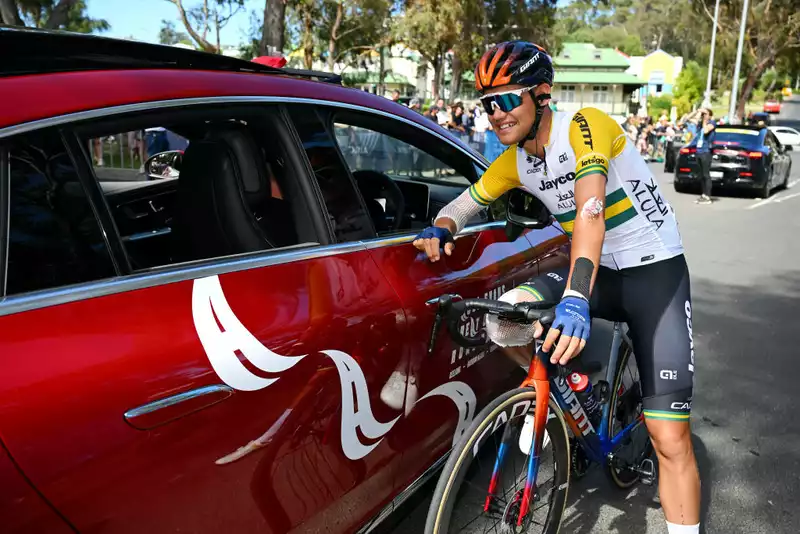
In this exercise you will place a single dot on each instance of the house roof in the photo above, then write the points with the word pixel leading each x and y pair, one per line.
pixel 586 55
pixel 597 77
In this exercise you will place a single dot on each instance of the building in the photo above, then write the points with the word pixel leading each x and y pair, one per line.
pixel 659 69
pixel 589 76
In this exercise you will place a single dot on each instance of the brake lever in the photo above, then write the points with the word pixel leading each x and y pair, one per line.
pixel 442 304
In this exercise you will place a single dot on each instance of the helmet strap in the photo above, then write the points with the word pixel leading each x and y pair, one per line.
pixel 539 112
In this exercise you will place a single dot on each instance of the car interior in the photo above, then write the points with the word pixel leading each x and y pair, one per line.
pixel 229 192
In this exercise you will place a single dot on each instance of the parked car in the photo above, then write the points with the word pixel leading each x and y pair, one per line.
pixel 240 346
pixel 743 157
pixel 772 106
pixel 788 137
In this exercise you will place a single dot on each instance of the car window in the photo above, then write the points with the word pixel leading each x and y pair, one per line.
pixel 348 216
pixel 748 139
pixel 193 185
pixel 367 149
pixel 54 238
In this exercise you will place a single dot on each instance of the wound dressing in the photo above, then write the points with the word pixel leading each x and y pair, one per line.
pixel 592 209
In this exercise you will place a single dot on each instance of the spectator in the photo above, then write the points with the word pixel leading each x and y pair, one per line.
pixel 414 105
pixel 705 139
pixel 432 113
pixel 395 96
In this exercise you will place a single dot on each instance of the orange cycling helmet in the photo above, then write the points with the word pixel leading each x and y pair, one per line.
pixel 513 63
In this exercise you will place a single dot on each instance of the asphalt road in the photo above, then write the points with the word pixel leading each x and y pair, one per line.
pixel 744 258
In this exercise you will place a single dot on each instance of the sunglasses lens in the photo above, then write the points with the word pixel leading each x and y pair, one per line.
pixel 504 103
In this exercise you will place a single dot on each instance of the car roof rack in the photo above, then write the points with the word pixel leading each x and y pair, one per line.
pixel 41 51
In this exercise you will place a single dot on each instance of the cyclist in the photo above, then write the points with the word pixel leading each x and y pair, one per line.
pixel 626 255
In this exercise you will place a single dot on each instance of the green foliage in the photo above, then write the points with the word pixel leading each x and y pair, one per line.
pixel 168 35
pixel 608 37
pixel 658 104
pixel 690 84
pixel 57 14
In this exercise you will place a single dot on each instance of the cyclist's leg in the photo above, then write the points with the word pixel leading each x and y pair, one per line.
pixel 658 304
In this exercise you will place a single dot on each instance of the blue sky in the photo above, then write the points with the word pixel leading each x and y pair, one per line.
pixel 141 19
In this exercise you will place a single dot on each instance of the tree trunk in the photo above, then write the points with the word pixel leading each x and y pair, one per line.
pixel 308 39
pixel 437 69
pixel 9 15
pixel 455 80
pixel 199 39
pixel 335 35
pixel 382 73
pixel 272 34
pixel 750 83
pixel 59 15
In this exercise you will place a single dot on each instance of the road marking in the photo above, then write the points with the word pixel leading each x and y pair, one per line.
pixel 776 199
pixel 761 203
pixel 787 197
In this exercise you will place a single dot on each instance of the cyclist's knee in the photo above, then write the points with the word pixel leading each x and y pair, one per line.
pixel 672 440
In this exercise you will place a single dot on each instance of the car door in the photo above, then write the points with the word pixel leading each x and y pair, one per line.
pixel 148 390
pixel 780 159
pixel 445 388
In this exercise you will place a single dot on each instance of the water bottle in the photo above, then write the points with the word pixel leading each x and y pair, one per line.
pixel 580 384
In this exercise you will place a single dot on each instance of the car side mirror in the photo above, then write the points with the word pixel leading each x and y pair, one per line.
pixel 164 165
pixel 525 211
pixel 787 148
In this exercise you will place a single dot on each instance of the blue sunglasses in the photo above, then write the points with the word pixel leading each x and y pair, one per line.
pixel 505 101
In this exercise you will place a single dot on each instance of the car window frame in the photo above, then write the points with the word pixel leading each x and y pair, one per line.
pixel 189 271
pixel 86 130
pixel 5 215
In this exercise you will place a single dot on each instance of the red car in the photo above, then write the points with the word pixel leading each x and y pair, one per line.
pixel 772 106
pixel 239 345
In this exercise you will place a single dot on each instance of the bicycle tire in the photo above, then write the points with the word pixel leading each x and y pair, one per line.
pixel 460 460
pixel 623 479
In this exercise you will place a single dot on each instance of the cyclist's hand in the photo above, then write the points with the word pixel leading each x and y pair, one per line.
pixel 571 329
pixel 432 240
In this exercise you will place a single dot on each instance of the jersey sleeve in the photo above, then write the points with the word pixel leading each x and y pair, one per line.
pixel 501 176
pixel 596 139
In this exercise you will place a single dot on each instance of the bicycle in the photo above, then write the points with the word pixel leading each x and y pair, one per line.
pixel 624 453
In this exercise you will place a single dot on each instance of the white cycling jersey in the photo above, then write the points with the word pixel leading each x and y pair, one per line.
pixel 640 224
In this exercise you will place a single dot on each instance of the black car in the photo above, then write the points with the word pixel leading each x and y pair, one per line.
pixel 743 157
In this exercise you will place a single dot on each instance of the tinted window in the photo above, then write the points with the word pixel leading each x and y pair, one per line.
pixel 54 237
pixel 750 139
pixel 193 185
pixel 347 215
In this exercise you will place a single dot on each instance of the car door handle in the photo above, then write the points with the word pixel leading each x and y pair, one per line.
pixel 162 411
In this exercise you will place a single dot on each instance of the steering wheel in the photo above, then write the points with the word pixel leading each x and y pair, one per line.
pixel 374 185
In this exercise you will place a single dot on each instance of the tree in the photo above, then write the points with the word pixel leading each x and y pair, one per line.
pixel 212 14
pixel 432 28
pixel 273 29
pixel 50 14
pixel 169 35
pixel 350 25
pixel 691 82
pixel 773 30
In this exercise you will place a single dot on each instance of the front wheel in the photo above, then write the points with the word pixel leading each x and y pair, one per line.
pixel 495 446
pixel 625 408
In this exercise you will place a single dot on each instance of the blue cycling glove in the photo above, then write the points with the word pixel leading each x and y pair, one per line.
pixel 572 317
pixel 442 234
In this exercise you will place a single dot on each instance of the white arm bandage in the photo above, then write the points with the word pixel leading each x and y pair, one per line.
pixel 460 210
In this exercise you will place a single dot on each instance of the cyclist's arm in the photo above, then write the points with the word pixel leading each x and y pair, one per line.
pixel 596 139
pixel 501 176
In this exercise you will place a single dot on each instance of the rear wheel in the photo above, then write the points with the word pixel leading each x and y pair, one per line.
pixel 681 188
pixel 460 500
pixel 625 408
pixel 765 189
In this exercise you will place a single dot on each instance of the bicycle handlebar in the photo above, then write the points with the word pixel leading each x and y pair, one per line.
pixel 524 312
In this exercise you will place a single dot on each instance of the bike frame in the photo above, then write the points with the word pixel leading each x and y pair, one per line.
pixel 597 444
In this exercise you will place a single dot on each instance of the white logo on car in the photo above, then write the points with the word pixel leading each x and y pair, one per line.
pixel 210 310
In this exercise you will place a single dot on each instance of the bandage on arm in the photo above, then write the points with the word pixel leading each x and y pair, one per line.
pixel 501 176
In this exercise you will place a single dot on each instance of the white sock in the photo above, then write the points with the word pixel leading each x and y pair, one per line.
pixel 672 528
